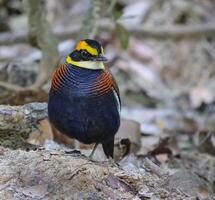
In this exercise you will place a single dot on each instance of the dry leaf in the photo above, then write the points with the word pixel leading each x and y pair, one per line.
pixel 203 193
pixel 162 158
pixel 38 137
pixel 201 95
pixel 1 151
pixel 148 144
pixel 127 139
pixel 134 13
pixel 115 183
pixel 141 51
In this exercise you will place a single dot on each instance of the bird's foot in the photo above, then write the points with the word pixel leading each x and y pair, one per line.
pixel 75 153
pixel 90 158
pixel 113 163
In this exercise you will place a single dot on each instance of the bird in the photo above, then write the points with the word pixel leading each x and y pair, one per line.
pixel 84 100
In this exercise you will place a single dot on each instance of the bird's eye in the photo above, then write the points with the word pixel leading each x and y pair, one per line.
pixel 84 54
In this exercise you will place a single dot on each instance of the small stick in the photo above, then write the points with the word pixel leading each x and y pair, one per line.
pixel 154 168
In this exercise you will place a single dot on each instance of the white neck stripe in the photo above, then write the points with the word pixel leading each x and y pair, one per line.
pixel 88 64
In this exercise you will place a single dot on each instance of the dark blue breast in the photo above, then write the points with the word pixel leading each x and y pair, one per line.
pixel 75 112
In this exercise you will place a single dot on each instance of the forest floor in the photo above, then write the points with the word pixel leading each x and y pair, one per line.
pixel 162 54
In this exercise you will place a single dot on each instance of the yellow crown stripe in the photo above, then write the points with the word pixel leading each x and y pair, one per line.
pixel 91 50
pixel 83 45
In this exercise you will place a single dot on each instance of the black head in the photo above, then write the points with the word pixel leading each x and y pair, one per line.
pixel 88 50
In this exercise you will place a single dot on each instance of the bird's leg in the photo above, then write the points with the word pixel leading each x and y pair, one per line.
pixel 112 162
pixel 93 151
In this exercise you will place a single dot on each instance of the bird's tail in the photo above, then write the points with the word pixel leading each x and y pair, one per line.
pixel 108 147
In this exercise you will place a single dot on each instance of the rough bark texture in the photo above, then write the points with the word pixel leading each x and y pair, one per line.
pixel 16 118
pixel 59 174
pixel 16 122
pixel 56 175
pixel 46 175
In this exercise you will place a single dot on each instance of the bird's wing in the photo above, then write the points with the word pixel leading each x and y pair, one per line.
pixel 104 83
pixel 116 92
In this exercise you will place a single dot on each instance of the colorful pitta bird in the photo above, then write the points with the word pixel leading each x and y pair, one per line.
pixel 84 101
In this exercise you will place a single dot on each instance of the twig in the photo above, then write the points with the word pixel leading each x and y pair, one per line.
pixel 11 38
pixel 78 169
pixel 12 87
pixel 17 88
pixel 110 193
pixel 154 168
pixel 173 31
pixel 89 27
pixel 40 35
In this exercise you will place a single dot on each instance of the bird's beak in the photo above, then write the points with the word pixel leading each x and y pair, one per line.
pixel 100 58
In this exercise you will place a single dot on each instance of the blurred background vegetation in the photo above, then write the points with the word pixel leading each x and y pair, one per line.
pixel 162 53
